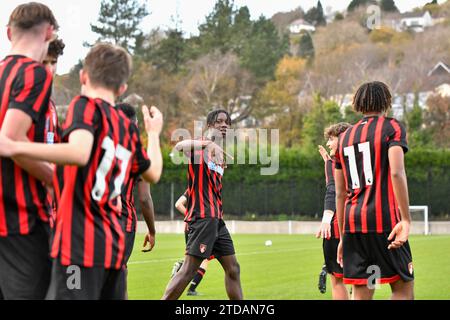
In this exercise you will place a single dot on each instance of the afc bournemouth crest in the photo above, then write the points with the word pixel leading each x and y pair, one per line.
pixel 203 248
pixel 410 268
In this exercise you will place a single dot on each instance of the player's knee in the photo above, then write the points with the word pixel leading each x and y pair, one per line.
pixel 234 271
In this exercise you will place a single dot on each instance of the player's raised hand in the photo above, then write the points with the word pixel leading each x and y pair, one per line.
pixel 149 242
pixel 399 235
pixel 153 119
pixel 324 153
pixel 340 254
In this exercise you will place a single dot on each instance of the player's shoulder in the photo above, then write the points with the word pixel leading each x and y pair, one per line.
pixel 394 123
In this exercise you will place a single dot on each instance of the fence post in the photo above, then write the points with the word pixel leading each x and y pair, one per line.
pixel 172 204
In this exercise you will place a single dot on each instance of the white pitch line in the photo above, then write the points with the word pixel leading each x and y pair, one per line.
pixel 237 255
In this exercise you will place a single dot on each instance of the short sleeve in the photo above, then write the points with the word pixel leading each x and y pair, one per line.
pixel 82 114
pixel 186 194
pixel 141 161
pixel 31 91
pixel 397 136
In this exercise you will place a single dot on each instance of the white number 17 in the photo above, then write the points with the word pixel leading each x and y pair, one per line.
pixel 111 152
pixel 349 152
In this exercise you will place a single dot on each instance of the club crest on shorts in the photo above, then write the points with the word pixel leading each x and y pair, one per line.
pixel 203 248
pixel 410 268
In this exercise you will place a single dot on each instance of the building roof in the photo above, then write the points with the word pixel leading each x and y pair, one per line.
pixel 439 65
pixel 300 22
pixel 413 15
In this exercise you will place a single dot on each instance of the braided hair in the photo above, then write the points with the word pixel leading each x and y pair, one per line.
pixel 212 117
pixel 372 97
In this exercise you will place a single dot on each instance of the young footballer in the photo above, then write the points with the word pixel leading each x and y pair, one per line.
pixel 329 229
pixel 25 87
pixel 372 199
pixel 208 235
pixel 100 152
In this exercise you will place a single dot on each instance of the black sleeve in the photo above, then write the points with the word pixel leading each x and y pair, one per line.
pixel 31 91
pixel 330 197
pixel 82 114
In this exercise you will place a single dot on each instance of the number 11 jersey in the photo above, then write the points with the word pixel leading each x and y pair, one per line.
pixel 88 230
pixel 362 156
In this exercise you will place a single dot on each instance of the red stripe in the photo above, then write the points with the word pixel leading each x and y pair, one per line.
pixel 361 282
pixel 200 187
pixel 21 202
pixel 338 275
pixel 398 130
pixel 89 220
pixel 120 243
pixel 192 192
pixel 108 238
pixel 48 81
pixel 7 89
pixel 210 193
pixel 65 213
pixel 28 83
pixel 367 188
pixel 378 195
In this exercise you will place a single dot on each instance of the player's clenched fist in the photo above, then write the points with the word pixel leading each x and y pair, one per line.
pixel 153 119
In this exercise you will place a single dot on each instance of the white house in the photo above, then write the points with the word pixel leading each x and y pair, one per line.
pixel 301 25
pixel 415 21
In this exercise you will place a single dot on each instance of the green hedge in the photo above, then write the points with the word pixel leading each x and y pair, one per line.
pixel 298 189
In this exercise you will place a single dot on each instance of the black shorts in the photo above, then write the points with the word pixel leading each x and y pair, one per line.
pixel 330 254
pixel 209 238
pixel 129 244
pixel 79 283
pixel 25 265
pixel 366 254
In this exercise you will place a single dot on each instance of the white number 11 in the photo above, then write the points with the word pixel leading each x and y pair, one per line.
pixel 349 152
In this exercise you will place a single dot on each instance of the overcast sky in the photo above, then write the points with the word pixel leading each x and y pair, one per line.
pixel 74 17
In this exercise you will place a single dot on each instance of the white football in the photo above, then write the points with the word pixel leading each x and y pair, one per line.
pixel 268 243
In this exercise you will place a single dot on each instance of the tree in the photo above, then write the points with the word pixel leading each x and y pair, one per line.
pixel 119 22
pixel 306 46
pixel 357 3
pixel 263 49
pixel 388 6
pixel 315 15
pixel 216 32
pixel 170 52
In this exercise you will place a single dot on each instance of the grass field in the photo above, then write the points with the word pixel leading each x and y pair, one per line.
pixel 288 270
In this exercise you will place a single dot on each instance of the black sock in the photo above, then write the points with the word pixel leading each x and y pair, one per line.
pixel 197 279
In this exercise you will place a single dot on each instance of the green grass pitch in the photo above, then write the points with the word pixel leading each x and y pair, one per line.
pixel 288 270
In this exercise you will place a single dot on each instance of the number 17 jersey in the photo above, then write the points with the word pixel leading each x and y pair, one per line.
pixel 362 156
pixel 88 229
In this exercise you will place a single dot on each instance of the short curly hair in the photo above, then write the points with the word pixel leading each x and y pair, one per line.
pixel 336 129
pixel 56 48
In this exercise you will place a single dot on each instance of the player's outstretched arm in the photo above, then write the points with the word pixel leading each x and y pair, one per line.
pixel 146 202
pixel 180 205
pixel 400 233
pixel 188 146
pixel 153 120
pixel 15 126
pixel 75 152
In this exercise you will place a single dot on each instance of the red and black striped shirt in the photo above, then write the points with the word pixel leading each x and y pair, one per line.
pixel 24 85
pixel 129 214
pixel 330 197
pixel 89 231
pixel 363 157
pixel 204 188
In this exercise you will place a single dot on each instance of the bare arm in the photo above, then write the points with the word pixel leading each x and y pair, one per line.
pixel 146 202
pixel 153 120
pixel 400 233
pixel 181 204
pixel 341 195
pixel 16 126
pixel 76 152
